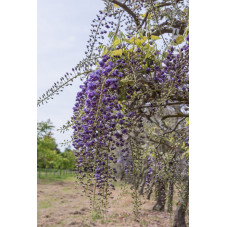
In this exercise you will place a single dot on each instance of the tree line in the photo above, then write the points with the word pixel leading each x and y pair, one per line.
pixel 48 153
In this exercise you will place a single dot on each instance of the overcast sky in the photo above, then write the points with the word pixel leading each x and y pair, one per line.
pixel 63 30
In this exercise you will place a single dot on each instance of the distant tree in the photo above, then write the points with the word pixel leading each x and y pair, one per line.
pixel 69 155
pixel 46 145
pixel 48 154
pixel 44 128
pixel 57 163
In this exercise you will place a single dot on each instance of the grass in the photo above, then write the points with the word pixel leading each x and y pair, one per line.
pixel 56 178
pixel 95 216
pixel 60 200
pixel 44 204
pixel 50 175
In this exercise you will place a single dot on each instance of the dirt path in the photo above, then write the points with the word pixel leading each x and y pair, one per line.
pixel 60 204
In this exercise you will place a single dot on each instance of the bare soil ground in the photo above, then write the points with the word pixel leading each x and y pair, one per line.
pixel 60 204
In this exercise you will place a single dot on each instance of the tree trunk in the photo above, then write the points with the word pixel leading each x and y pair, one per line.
pixel 149 192
pixel 161 196
pixel 170 197
pixel 143 182
pixel 179 218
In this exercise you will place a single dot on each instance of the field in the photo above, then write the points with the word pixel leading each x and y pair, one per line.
pixel 60 204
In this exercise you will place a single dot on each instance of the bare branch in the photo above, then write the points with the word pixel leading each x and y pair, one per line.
pixel 174 127
pixel 176 115
pixel 168 4
pixel 128 10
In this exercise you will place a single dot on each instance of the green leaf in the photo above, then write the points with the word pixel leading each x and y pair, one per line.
pixel 154 37
pixel 132 40
pixel 147 46
pixel 187 121
pixel 171 139
pixel 128 41
pixel 138 42
pixel 148 17
pixel 131 49
pixel 116 52
pixel 143 15
pixel 179 39
pixel 116 42
pixel 104 51
pixel 144 39
pixel 111 34
pixel 165 54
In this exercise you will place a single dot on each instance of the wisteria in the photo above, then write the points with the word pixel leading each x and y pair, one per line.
pixel 105 118
pixel 102 121
pixel 130 117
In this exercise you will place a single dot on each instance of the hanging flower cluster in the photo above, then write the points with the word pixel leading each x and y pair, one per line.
pixel 100 126
pixel 106 113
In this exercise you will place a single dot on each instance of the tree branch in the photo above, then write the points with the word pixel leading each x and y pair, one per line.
pixel 166 104
pixel 167 4
pixel 176 115
pixel 174 127
pixel 128 10
pixel 144 20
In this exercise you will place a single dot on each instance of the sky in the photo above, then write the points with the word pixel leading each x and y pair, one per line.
pixel 63 31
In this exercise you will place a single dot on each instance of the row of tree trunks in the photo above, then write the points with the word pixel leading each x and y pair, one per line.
pixel 179 216
pixel 162 196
